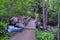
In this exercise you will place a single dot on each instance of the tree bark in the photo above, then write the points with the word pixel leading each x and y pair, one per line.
pixel 43 11
pixel 58 35
pixel 46 11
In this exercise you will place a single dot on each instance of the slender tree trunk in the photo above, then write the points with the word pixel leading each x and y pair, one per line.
pixel 46 11
pixel 58 36
pixel 43 11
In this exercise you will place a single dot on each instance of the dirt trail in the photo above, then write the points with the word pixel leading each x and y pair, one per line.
pixel 27 34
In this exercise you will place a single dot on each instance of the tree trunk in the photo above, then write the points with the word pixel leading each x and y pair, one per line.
pixel 46 11
pixel 43 11
pixel 58 35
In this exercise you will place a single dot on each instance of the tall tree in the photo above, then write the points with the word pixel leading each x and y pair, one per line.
pixel 46 11
pixel 58 36
pixel 43 11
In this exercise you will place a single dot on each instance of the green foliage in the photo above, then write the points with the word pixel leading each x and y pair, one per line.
pixel 28 13
pixel 11 8
pixel 44 35
pixel 4 37
pixel 55 30
pixel 21 6
pixel 54 7
pixel 3 7
pixel 52 18
pixel 3 25
pixel 36 15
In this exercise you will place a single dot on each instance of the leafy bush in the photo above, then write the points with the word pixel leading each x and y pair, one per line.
pixel 52 18
pixel 3 25
pixel 4 37
pixel 55 30
pixel 44 35
pixel 36 15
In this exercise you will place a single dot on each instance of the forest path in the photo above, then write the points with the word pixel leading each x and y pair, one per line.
pixel 27 34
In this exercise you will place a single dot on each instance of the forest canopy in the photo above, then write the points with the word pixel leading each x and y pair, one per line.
pixel 11 8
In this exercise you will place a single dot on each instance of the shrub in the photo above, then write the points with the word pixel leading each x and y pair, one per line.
pixel 4 37
pixel 36 15
pixel 44 35
pixel 3 25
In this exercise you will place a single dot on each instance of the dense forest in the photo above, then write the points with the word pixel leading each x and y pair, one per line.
pixel 46 11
